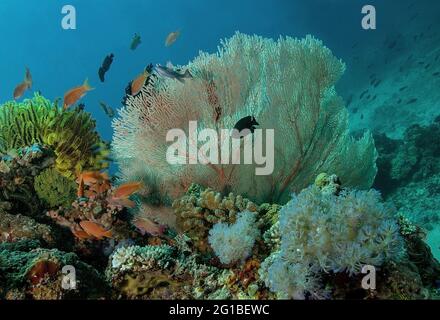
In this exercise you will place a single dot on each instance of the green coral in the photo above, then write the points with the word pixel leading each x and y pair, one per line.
pixel 54 189
pixel 70 134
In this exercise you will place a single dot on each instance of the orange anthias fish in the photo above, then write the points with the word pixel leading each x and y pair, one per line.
pixel 92 177
pixel 127 189
pixel 73 95
pixel 123 202
pixel 81 234
pixel 138 83
pixel 25 85
pixel 171 38
pixel 80 192
pixel 95 230
pixel 146 225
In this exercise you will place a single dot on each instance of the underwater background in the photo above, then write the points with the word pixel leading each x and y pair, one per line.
pixel 389 88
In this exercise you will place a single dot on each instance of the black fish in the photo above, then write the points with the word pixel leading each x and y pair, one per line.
pixel 377 83
pixel 105 66
pixel 403 88
pixel 363 94
pixel 244 126
pixel 412 100
pixel 435 74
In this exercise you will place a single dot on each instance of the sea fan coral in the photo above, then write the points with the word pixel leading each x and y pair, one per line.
pixel 328 233
pixel 287 85
pixel 70 134
pixel 232 243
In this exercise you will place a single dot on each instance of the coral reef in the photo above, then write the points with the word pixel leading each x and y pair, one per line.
pixel 70 134
pixel 218 231
pixel 97 206
pixel 15 227
pixel 287 85
pixel 409 175
pixel 28 271
pixel 199 209
pixel 17 175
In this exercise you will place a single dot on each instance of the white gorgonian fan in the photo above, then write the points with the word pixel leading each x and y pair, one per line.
pixel 287 85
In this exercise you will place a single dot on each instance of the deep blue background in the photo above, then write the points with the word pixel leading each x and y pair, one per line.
pixel 31 35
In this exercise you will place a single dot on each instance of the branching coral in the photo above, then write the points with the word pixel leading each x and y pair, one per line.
pixel 287 85
pixel 199 209
pixel 54 189
pixel 70 134
pixel 328 233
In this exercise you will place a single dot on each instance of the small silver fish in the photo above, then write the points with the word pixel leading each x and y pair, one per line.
pixel 169 72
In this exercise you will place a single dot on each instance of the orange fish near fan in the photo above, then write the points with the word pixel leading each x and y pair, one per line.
pixel 127 189
pixel 25 85
pixel 93 177
pixel 138 83
pixel 73 95
pixel 95 230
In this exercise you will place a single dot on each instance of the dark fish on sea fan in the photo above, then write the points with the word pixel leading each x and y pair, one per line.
pixel 244 126
pixel 169 72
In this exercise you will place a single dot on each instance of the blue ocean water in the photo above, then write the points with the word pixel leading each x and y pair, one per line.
pixel 31 35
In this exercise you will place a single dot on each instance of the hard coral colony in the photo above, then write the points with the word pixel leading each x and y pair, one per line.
pixel 205 231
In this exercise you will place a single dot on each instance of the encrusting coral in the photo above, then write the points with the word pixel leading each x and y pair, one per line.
pixel 70 134
pixel 287 85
